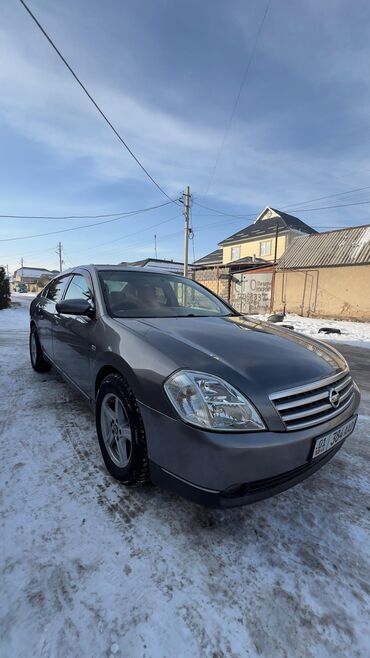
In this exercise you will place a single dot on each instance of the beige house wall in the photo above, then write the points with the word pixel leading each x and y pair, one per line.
pixel 253 249
pixel 332 292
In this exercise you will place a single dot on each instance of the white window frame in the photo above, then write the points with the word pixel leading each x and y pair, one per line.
pixel 233 249
pixel 263 246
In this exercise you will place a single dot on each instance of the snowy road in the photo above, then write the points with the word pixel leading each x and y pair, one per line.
pixel 91 569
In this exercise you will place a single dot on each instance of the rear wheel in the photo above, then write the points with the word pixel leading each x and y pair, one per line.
pixel 38 361
pixel 121 431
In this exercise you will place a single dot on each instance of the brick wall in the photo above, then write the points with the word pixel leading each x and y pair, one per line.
pixel 210 277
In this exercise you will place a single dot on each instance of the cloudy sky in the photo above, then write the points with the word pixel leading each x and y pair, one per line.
pixel 167 74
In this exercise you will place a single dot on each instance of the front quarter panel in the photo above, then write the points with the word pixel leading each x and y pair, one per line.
pixel 143 366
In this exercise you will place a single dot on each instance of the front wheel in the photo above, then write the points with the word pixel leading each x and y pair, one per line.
pixel 38 361
pixel 121 431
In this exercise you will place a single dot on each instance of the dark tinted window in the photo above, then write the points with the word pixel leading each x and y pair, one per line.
pixel 131 294
pixel 56 288
pixel 78 288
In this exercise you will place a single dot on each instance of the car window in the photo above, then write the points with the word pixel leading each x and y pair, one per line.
pixel 131 294
pixel 56 288
pixel 78 288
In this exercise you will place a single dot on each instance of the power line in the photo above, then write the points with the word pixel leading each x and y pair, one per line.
pixel 233 221
pixel 221 212
pixel 94 102
pixel 76 228
pixel 342 205
pixel 192 233
pixel 251 216
pixel 328 196
pixel 113 214
pixel 103 244
pixel 68 258
pixel 142 230
pixel 236 102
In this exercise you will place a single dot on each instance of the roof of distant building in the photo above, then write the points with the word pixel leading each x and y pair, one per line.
pixel 348 246
pixel 214 258
pixel 265 225
pixel 160 263
pixel 32 272
pixel 250 261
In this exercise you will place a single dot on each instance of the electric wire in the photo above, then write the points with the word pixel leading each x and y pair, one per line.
pixel 93 101
pixel 237 99
pixel 253 215
pixel 76 228
pixel 113 214
pixel 192 232
pixel 327 196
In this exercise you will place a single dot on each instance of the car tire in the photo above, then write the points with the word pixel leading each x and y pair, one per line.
pixel 120 430
pixel 38 361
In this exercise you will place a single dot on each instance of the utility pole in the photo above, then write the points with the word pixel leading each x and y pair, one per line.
pixel 21 270
pixel 155 245
pixel 186 237
pixel 59 252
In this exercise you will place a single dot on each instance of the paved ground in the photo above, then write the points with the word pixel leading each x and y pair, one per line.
pixel 89 568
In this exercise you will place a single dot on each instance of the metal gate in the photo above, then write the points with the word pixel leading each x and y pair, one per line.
pixel 251 292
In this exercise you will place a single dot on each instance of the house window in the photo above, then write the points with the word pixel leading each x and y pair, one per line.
pixel 235 253
pixel 265 248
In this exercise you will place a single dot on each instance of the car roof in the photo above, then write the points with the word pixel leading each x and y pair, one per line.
pixel 126 268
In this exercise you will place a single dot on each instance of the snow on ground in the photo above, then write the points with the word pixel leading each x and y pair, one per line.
pixel 16 296
pixel 352 333
pixel 90 569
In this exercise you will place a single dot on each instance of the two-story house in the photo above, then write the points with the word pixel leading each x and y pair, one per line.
pixel 241 269
pixel 257 240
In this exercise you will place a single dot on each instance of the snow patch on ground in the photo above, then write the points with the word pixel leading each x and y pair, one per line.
pixel 14 318
pixel 352 333
pixel 23 295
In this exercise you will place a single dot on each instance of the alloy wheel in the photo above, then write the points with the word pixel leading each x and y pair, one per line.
pixel 116 430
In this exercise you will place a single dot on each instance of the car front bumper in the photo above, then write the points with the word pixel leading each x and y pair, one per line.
pixel 229 469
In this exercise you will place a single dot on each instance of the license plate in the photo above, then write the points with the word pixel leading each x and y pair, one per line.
pixel 328 441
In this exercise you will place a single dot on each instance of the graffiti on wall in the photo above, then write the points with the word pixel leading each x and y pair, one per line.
pixel 251 293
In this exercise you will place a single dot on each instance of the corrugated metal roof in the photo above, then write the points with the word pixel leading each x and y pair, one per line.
pixel 350 246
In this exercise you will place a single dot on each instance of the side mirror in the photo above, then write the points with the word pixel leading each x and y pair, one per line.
pixel 75 307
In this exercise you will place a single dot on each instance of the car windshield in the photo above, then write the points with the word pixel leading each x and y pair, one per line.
pixel 130 294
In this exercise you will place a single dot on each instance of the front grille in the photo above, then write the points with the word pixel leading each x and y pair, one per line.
pixel 305 406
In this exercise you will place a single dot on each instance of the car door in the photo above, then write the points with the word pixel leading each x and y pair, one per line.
pixel 74 335
pixel 45 312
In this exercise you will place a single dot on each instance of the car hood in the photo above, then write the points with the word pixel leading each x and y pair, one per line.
pixel 269 357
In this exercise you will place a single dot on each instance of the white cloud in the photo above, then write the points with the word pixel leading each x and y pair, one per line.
pixel 40 100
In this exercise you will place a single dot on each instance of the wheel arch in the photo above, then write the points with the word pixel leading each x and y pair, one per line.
pixel 119 367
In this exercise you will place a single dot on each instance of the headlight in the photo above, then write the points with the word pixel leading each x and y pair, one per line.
pixel 211 403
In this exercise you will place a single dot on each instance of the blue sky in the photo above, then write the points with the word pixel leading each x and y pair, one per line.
pixel 167 74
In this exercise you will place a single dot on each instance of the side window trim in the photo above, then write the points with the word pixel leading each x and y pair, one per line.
pixel 72 275
pixel 87 278
pixel 45 291
pixel 56 282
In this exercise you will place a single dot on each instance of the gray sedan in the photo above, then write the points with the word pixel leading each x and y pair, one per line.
pixel 187 392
